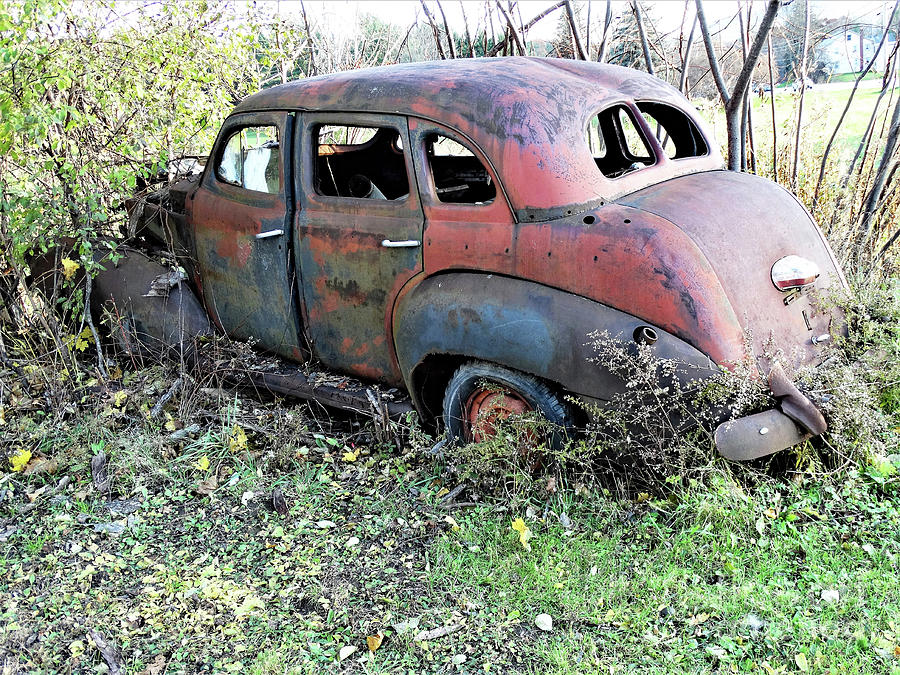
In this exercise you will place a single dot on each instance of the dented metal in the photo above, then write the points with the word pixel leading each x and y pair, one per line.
pixel 353 254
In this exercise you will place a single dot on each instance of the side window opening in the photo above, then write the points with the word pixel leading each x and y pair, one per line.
pixel 677 133
pixel 251 160
pixel 459 176
pixel 361 162
pixel 616 143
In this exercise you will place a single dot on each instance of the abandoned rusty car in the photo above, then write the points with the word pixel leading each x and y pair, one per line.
pixel 457 229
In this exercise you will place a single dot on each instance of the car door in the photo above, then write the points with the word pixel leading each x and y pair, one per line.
pixel 241 214
pixel 358 236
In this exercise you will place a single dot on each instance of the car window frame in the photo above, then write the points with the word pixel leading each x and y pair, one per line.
pixel 498 208
pixel 693 120
pixel 239 193
pixel 306 144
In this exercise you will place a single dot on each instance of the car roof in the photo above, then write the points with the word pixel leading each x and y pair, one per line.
pixel 527 114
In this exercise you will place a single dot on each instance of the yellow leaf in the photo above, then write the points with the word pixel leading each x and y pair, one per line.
pixel 81 340
pixel 237 440
pixel 202 463
pixel 69 268
pixel 451 521
pixel 119 398
pixel 802 663
pixel 770 513
pixel 524 533
pixel 170 423
pixel 351 455
pixel 20 460
pixel 250 603
pixel 374 641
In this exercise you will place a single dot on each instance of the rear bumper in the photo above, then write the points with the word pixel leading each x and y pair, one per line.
pixel 795 420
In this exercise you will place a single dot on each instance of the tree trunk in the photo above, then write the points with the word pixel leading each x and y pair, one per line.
pixel 881 175
pixel 682 82
pixel 645 46
pixel 735 100
pixel 604 43
pixel 796 169
pixel 840 121
pixel 774 123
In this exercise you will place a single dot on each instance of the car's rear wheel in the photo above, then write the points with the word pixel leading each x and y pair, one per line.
pixel 480 397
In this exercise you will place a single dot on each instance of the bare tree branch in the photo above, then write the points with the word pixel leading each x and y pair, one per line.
pixel 497 47
pixel 734 100
pixel 434 30
pixel 645 47
pixel 462 7
pixel 682 81
pixel 447 30
pixel 881 174
pixel 511 28
pixel 573 26
pixel 802 76
pixel 604 43
pixel 772 102
pixel 840 121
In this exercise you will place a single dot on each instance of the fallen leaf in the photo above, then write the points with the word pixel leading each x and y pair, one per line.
pixel 202 463
pixel 346 652
pixel 770 513
pixel 403 627
pixel 802 663
pixel 544 622
pixel 170 423
pixel 524 533
pixel 324 524
pixel 237 439
pixel 250 603
pixel 20 460
pixel 69 267
pixel 119 398
pixel 351 455
pixel 374 641
pixel 451 521
pixel 38 466
pixel 208 486
pixel 279 503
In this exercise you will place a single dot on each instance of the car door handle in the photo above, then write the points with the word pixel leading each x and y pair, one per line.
pixel 406 243
pixel 270 233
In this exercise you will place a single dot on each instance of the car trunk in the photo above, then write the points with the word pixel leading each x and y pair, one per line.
pixel 743 224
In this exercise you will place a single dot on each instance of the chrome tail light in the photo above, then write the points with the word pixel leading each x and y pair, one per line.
pixel 793 271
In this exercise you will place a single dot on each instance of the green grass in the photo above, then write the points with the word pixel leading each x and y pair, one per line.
pixel 716 578
pixel 851 77
pixel 822 109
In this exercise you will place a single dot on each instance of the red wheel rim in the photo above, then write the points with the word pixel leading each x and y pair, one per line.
pixel 486 408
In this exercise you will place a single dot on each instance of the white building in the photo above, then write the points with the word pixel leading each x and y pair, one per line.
pixel 850 52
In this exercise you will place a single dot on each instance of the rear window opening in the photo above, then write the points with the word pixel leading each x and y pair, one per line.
pixel 459 176
pixel 616 142
pixel 677 134
pixel 360 162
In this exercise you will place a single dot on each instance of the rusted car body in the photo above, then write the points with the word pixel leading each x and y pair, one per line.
pixel 575 197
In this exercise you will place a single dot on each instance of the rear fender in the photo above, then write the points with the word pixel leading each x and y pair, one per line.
pixel 454 317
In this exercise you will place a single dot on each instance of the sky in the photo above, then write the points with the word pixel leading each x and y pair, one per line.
pixel 339 15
